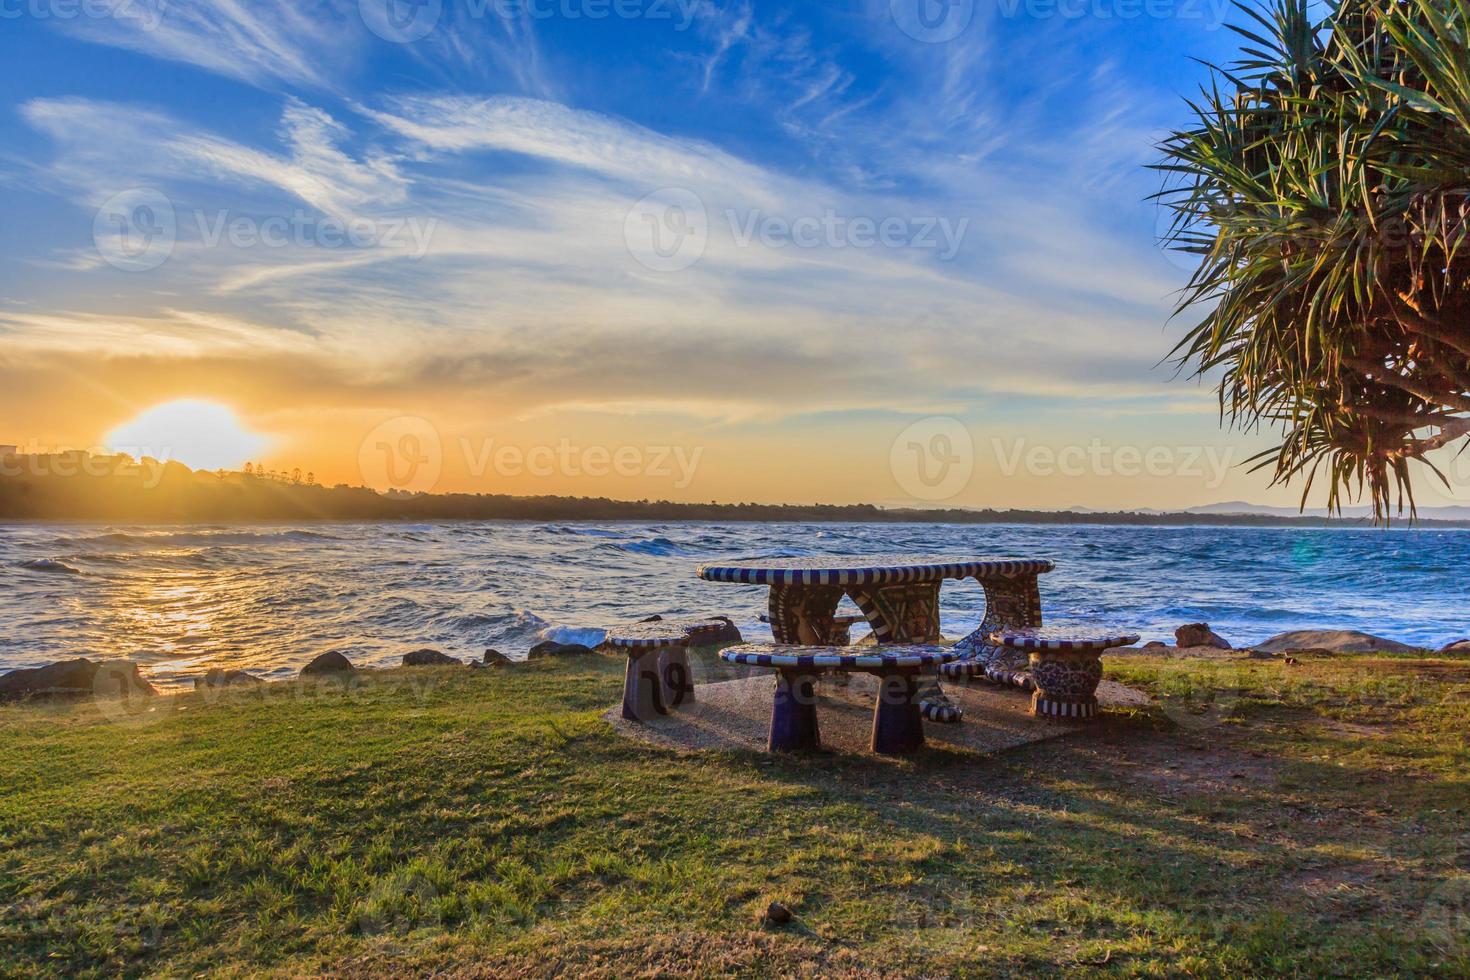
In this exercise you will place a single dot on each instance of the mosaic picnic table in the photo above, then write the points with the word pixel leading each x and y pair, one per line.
pixel 898 726
pixel 897 594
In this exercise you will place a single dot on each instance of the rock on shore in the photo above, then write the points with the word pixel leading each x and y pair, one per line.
pixel 76 678
pixel 218 677
pixel 1331 641
pixel 430 658
pixel 328 663
pixel 1200 635
pixel 551 648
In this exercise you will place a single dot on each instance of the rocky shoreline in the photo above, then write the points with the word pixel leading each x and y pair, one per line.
pixel 80 677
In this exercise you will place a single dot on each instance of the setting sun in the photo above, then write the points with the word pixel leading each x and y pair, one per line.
pixel 203 435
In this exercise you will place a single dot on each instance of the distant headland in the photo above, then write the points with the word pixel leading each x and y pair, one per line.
pixel 79 486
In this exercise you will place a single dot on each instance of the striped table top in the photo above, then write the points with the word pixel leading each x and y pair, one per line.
pixel 894 656
pixel 1063 638
pixel 661 633
pixel 865 569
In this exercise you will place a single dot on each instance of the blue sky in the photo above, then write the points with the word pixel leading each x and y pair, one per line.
pixel 783 232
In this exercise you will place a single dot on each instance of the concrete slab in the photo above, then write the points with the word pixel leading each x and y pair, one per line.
pixel 736 714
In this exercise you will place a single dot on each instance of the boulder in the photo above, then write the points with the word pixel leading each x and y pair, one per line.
pixel 75 678
pixel 729 633
pixel 1331 641
pixel 430 658
pixel 1455 646
pixel 217 677
pixel 1154 644
pixel 494 658
pixel 551 648
pixel 121 679
pixel 1200 635
pixel 328 663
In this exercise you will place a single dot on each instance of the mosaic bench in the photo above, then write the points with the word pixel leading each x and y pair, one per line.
pixel 898 726
pixel 658 680
pixel 1065 666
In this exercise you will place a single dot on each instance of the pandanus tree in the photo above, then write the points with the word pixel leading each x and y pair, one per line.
pixel 1324 186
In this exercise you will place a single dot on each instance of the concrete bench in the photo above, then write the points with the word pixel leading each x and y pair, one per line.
pixel 1065 666
pixel 898 726
pixel 657 679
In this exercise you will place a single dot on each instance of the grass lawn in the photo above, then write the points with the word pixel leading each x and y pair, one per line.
pixel 1308 818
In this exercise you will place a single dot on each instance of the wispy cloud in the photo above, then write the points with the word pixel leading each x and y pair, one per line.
pixel 255 41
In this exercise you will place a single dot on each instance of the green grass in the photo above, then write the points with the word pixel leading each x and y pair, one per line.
pixel 1311 818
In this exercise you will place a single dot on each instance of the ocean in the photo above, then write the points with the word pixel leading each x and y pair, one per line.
pixel 269 598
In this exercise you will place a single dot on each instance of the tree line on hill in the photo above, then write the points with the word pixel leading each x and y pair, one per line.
pixel 83 487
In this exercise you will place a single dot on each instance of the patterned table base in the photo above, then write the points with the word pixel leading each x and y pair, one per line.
pixel 909 613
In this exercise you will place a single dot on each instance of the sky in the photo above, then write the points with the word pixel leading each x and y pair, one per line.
pixel 886 251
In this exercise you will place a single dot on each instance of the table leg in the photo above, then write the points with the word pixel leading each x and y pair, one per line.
pixel 907 613
pixel 642 699
pixel 898 726
pixel 678 682
pixel 794 713
pixel 803 614
pixel 1010 601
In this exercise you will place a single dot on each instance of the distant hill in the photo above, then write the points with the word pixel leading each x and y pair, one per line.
pixel 81 487
pixel 1241 507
